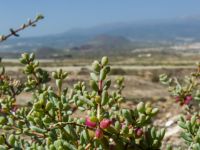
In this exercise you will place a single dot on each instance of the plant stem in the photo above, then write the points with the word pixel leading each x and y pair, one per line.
pixel 99 104
pixel 59 94
pixel 24 26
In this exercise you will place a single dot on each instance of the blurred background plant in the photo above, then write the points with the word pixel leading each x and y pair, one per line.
pixel 186 94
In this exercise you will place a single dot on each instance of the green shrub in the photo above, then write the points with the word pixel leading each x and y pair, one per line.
pixel 48 121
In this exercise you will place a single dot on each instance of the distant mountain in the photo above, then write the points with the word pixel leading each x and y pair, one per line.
pixel 102 40
pixel 105 43
pixel 116 35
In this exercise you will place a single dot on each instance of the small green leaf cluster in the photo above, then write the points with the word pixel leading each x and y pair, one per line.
pixel 83 117
pixel 35 75
pixel 191 130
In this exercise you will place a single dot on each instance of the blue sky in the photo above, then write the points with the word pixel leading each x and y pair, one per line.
pixel 62 15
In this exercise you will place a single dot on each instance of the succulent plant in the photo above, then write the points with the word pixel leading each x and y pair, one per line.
pixel 186 94
pixel 47 122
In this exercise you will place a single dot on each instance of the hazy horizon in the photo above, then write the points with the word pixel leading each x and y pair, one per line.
pixel 66 15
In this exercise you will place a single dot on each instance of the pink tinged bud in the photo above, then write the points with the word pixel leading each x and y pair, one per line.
pixel 89 123
pixel 14 108
pixel 105 123
pixel 187 99
pixel 138 132
pixel 177 98
pixel 98 133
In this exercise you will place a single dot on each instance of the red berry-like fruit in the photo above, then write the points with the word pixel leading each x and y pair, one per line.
pixel 187 99
pixel 105 123
pixel 138 132
pixel 89 123
pixel 98 133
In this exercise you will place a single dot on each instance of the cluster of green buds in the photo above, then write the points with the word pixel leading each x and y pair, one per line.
pixel 186 93
pixel 8 85
pixel 191 130
pixel 35 75
pixel 9 89
pixel 52 119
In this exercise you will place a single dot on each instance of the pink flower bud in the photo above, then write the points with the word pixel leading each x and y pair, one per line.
pixel 89 123
pixel 187 99
pixel 177 98
pixel 138 132
pixel 105 123
pixel 98 133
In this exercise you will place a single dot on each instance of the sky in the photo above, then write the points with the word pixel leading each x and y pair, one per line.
pixel 63 15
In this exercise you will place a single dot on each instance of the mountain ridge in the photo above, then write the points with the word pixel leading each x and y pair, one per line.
pixel 146 31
